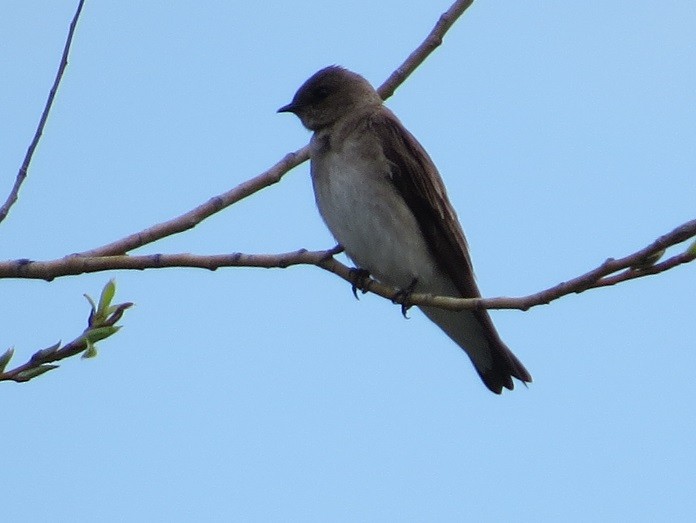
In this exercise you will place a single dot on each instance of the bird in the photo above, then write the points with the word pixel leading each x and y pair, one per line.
pixel 384 201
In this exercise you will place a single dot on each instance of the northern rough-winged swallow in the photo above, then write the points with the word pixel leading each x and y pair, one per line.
pixel 384 201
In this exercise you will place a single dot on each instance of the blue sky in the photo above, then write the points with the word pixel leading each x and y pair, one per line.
pixel 565 133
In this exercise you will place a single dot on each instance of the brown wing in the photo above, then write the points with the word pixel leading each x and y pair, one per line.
pixel 415 176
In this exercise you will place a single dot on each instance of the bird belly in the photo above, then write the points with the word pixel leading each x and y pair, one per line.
pixel 380 234
pixel 369 218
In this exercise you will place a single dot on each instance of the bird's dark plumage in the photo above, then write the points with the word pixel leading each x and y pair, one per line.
pixel 384 200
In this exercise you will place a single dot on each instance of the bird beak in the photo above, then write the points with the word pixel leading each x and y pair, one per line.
pixel 290 108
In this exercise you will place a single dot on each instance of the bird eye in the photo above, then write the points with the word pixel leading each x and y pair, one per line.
pixel 320 93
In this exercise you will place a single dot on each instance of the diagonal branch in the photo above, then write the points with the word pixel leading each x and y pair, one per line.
pixel 635 265
pixel 195 216
pixel 431 42
pixel 22 174
pixel 273 175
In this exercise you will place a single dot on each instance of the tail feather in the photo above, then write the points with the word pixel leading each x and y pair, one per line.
pixel 505 367
pixel 474 332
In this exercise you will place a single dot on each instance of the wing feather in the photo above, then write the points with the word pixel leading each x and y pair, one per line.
pixel 415 176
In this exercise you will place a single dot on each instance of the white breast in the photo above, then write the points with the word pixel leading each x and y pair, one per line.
pixel 366 214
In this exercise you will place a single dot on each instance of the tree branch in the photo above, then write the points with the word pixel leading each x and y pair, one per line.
pixel 633 266
pixel 273 175
pixel 101 324
pixel 431 42
pixel 22 174
pixel 195 216
pixel 636 265
pixel 113 256
pixel 191 218
pixel 77 264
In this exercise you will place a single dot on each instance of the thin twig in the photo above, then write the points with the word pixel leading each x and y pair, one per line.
pixel 431 42
pixel 40 362
pixel 22 174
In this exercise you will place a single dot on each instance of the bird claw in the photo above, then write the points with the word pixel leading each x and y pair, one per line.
pixel 360 280
pixel 403 297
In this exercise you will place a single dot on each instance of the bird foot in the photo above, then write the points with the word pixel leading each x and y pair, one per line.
pixel 360 279
pixel 403 297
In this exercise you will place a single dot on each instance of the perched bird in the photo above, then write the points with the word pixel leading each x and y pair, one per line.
pixel 383 200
